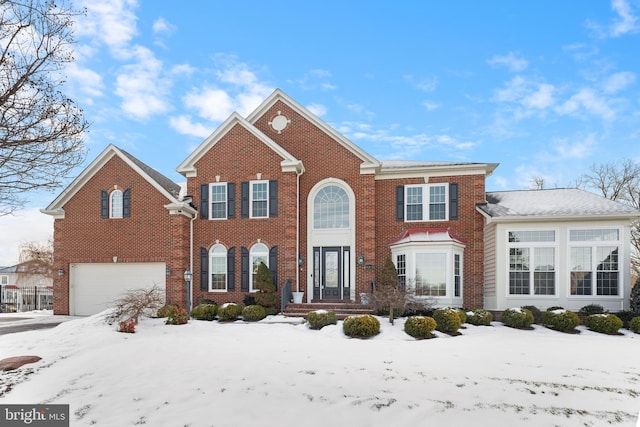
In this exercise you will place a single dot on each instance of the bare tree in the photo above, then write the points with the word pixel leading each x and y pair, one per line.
pixel 41 129
pixel 537 183
pixel 36 263
pixel 40 251
pixel 619 181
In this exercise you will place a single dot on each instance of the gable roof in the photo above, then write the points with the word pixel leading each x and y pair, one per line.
pixel 187 167
pixel 369 163
pixel 560 203
pixel 164 185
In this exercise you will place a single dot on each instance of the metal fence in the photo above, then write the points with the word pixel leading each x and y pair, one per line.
pixel 15 299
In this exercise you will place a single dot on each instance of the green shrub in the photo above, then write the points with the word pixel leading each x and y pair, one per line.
pixel 590 309
pixel 561 320
pixel 249 299
pixel 420 326
pixel 320 318
pixel 253 313
pixel 167 310
pixel 447 320
pixel 269 300
pixel 555 307
pixel 463 315
pixel 204 312
pixel 229 311
pixel 362 326
pixel 634 298
pixel 537 314
pixel 605 323
pixel 179 316
pixel 519 318
pixel 634 325
pixel 626 317
pixel 479 317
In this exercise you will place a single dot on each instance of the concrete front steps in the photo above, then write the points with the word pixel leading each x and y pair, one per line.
pixel 341 309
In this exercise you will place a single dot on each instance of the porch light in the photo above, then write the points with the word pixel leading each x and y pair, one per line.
pixel 187 276
pixel 61 272
pixel 361 259
pixel 300 260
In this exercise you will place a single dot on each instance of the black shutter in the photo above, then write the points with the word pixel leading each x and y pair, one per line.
pixel 453 201
pixel 273 198
pixel 204 201
pixel 231 200
pixel 104 204
pixel 204 269
pixel 400 203
pixel 231 269
pixel 126 203
pixel 244 199
pixel 244 267
pixel 273 265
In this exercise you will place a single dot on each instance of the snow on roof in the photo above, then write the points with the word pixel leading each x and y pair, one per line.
pixel 433 234
pixel 559 202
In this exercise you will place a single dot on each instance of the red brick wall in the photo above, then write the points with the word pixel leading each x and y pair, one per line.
pixel 469 227
pixel 150 234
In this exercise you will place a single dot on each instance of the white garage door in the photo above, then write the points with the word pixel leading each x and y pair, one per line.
pixel 94 287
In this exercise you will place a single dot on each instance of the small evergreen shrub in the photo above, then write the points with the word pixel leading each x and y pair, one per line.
pixel 537 314
pixel 253 313
pixel 560 320
pixel 634 325
pixel 420 327
pixel 127 326
pixel 626 317
pixel 249 299
pixel 604 323
pixel 229 311
pixel 463 315
pixel 362 326
pixel 634 298
pixel 555 307
pixel 178 317
pixel 320 318
pixel 590 309
pixel 447 320
pixel 519 318
pixel 204 312
pixel 167 310
pixel 479 317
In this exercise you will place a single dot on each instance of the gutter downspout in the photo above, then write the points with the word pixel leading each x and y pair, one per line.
pixel 298 229
pixel 190 302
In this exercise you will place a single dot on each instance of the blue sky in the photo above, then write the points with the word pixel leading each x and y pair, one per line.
pixel 544 88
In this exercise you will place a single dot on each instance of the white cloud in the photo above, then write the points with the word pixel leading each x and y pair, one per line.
pixel 111 22
pixel 210 103
pixel 626 22
pixel 163 27
pixel 618 81
pixel 426 84
pixel 528 94
pixel 512 61
pixel 564 149
pixel 183 124
pixel 586 99
pixel 29 225
pixel 183 70
pixel 430 106
pixel 540 99
pixel 317 109
pixel 85 80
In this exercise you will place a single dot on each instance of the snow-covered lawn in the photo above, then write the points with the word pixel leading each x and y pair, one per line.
pixel 284 374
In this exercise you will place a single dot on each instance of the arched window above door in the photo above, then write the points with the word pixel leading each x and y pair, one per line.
pixel 331 208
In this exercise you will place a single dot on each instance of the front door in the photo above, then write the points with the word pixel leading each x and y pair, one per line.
pixel 331 272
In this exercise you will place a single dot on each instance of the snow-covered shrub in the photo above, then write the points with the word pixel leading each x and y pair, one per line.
pixel 537 314
pixel 590 309
pixel 420 326
pixel 361 326
pixel 463 315
pixel 634 325
pixel 318 319
pixel 519 318
pixel 229 311
pixel 253 313
pixel 128 326
pixel 204 312
pixel 447 320
pixel 479 317
pixel 605 323
pixel 178 317
pixel 561 320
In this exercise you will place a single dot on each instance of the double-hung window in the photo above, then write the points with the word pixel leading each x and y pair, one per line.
pixel 595 266
pixel 259 199
pixel 218 268
pixel 115 204
pixel 426 202
pixel 532 262
pixel 218 200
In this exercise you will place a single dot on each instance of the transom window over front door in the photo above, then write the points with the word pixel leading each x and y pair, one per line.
pixel 532 262
pixel 595 266
pixel 331 208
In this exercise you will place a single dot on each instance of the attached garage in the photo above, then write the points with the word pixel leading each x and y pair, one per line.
pixel 94 287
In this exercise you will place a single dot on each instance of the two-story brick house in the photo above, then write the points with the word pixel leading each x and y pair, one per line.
pixel 280 187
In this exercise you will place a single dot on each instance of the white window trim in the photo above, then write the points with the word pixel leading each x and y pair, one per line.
pixel 226 277
pixel 251 183
pixel 254 252
pixel 593 244
pixel 226 200
pixel 532 245
pixel 425 201
pixel 112 213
